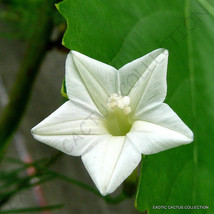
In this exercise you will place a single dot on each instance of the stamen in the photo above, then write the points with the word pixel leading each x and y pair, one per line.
pixel 127 110
pixel 115 101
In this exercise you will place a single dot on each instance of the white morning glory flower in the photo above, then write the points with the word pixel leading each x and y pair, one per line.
pixel 113 116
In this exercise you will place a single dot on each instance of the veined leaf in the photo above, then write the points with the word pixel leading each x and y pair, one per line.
pixel 117 32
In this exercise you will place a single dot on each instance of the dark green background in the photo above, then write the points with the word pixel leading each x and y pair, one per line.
pixel 118 31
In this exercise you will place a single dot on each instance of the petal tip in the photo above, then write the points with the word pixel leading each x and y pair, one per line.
pixel 71 55
pixel 106 190
pixel 32 131
pixel 103 193
pixel 102 189
pixel 165 52
pixel 161 51
pixel 189 134
pixel 75 54
pixel 191 137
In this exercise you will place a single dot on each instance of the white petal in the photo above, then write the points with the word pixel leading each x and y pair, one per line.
pixel 144 79
pixel 90 80
pixel 110 162
pixel 100 161
pixel 164 116
pixel 71 128
pixel 161 129
pixel 128 161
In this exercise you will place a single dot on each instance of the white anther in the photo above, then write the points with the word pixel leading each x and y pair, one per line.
pixel 126 100
pixel 112 105
pixel 112 101
pixel 118 101
pixel 127 110
pixel 113 97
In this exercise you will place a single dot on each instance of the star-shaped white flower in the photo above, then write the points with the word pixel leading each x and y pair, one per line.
pixel 113 116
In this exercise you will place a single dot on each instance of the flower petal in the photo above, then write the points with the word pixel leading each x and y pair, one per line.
pixel 159 129
pixel 90 80
pixel 71 128
pixel 110 162
pixel 164 116
pixel 144 79
pixel 129 159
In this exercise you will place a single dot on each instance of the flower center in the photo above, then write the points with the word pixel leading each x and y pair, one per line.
pixel 116 101
pixel 118 121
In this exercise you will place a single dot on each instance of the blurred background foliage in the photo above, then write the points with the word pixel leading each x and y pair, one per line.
pixel 22 20
pixel 117 32
pixel 19 15
pixel 121 32
pixel 40 26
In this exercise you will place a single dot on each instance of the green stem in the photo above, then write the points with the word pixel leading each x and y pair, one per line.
pixel 32 209
pixel 108 199
pixel 37 47
pixel 76 182
pixel 19 183
pixel 24 183
pixel 44 174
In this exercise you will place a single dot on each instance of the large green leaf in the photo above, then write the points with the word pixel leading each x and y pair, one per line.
pixel 118 31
